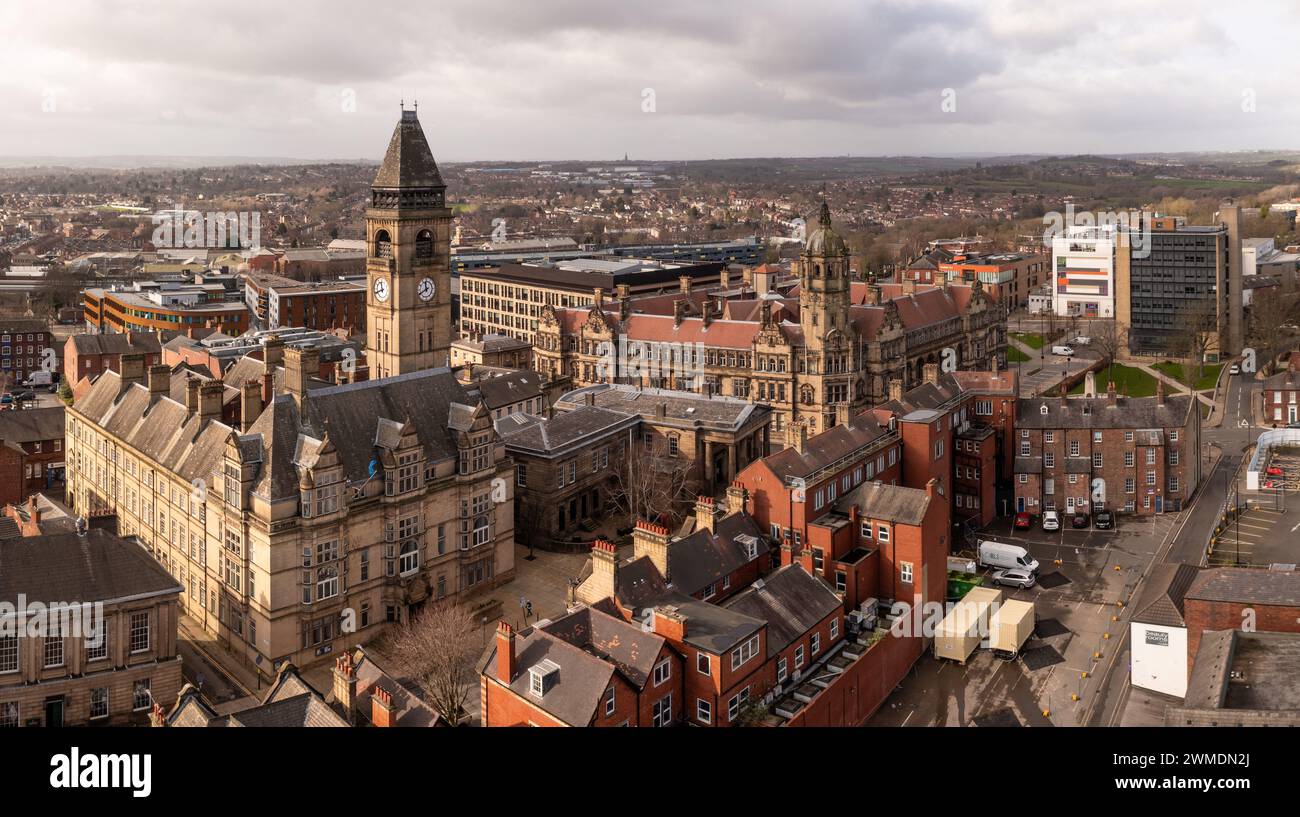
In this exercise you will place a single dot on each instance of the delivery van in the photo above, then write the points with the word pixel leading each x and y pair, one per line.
pixel 1063 351
pixel 997 554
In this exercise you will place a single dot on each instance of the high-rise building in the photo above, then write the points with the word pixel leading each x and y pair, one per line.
pixel 408 231
pixel 1083 272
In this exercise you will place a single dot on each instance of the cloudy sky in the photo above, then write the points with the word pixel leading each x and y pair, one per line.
pixel 672 79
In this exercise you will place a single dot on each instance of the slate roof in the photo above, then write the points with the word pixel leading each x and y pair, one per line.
pixel 579 685
pixel 409 710
pixel 632 650
pixel 33 425
pixel 408 163
pixel 1250 585
pixel 96 567
pixel 117 343
pixel 506 389
pixel 1095 412
pixel 828 447
pixel 706 557
pixel 535 435
pixel 711 627
pixel 1162 598
pixel 791 600
pixel 876 500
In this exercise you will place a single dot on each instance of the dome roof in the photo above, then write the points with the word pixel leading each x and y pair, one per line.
pixel 824 240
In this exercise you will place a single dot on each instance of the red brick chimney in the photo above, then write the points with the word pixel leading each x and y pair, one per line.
pixel 1111 397
pixel 381 708
pixel 505 652
pixel 670 623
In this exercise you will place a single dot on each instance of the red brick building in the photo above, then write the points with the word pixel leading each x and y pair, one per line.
pixel 86 356
pixel 1236 598
pixel 23 342
pixel 31 454
pixel 1131 454
pixel 1282 397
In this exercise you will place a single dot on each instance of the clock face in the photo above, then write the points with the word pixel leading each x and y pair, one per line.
pixel 425 289
pixel 381 289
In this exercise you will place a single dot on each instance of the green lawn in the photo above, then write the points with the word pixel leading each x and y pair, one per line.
pixel 1134 382
pixel 1014 355
pixel 1183 374
pixel 1030 340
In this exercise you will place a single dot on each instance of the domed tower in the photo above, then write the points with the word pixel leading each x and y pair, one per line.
pixel 827 364
pixel 408 258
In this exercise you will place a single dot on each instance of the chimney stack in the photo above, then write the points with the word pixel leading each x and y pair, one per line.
pixel 670 623
pixel 706 513
pixel 841 414
pixel 381 708
pixel 762 281
pixel 160 380
pixel 250 404
pixel 132 368
pixel 272 350
pixel 895 389
pixel 1090 384
pixel 724 278
pixel 604 570
pixel 940 279
pixel 651 540
pixel 1160 392
pixel 505 652
pixel 736 498
pixel 799 437
pixel 679 312
pixel 931 373
pixel 345 685
pixel 192 385
pixel 598 296
pixel 211 395
pixel 300 365
pixel 873 294
pixel 684 281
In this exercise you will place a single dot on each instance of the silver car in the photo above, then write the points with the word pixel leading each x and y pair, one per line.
pixel 1013 577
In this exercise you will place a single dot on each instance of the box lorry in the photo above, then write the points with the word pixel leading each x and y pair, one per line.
pixel 997 554
pixel 41 379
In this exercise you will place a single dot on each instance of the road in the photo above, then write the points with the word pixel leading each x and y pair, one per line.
pixel 1223 445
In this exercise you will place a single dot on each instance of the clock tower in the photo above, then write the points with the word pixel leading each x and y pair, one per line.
pixel 408 258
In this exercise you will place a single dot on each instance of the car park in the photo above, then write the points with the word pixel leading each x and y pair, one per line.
pixel 1024 521
pixel 1013 577
pixel 1103 520
pixel 1051 520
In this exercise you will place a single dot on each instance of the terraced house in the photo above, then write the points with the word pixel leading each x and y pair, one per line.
pixel 828 348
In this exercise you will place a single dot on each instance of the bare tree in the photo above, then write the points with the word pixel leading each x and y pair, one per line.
pixel 437 648
pixel 1196 333
pixel 651 481
pixel 529 518
pixel 1109 338
pixel 1269 314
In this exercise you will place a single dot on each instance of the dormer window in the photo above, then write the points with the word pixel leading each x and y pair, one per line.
pixel 1043 409
pixel 542 677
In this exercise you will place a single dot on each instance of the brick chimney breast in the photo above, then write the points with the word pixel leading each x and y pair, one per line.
pixel 381 708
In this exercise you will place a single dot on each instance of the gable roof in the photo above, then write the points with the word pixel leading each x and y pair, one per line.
pixel 791 600
pixel 1162 598
pixel 95 567
pixel 632 650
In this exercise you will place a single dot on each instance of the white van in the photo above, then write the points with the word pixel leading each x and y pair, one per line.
pixel 1082 340
pixel 997 554
pixel 1063 351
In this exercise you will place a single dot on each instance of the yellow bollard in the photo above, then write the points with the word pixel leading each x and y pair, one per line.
pixel 1117 568
pixel 1047 713
pixel 1074 697
pixel 1105 635
pixel 1083 674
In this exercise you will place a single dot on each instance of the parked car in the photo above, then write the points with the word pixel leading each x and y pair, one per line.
pixel 1024 521
pixel 1051 520
pixel 1079 520
pixel 1273 471
pixel 24 396
pixel 1103 520
pixel 1013 577
pixel 7 399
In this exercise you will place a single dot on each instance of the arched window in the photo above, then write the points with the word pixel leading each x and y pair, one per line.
pixel 409 560
pixel 806 395
pixel 383 245
pixel 424 244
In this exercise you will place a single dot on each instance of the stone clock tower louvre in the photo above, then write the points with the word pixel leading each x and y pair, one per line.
pixel 408 234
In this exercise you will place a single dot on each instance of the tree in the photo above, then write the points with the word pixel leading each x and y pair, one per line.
pixel 1109 337
pixel 1196 333
pixel 437 648
pixel 651 481
pixel 1270 311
